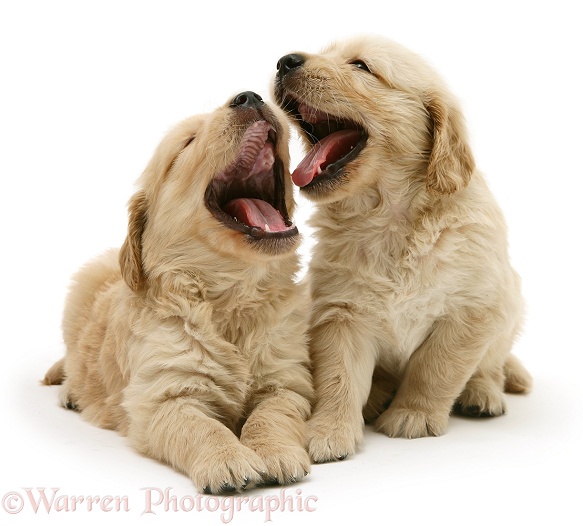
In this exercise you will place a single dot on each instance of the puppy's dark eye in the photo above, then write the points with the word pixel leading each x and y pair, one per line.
pixel 188 141
pixel 360 64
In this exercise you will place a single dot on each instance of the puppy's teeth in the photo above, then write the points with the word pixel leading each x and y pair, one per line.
pixel 319 170
pixel 267 229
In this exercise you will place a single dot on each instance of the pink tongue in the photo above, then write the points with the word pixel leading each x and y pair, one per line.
pixel 325 152
pixel 255 212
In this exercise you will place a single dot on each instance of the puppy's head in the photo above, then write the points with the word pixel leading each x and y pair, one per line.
pixel 369 109
pixel 218 185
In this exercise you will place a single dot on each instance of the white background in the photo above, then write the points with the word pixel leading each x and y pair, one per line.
pixel 86 92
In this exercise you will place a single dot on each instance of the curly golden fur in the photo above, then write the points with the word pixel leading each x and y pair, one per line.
pixel 415 303
pixel 191 340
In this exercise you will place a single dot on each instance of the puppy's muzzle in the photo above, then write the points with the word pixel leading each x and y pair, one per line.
pixel 249 195
pixel 335 140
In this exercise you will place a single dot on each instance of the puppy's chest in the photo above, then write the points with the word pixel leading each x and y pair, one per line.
pixel 246 327
pixel 237 326
pixel 408 300
pixel 404 282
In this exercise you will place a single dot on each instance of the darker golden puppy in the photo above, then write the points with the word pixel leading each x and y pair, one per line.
pixel 190 340
pixel 413 291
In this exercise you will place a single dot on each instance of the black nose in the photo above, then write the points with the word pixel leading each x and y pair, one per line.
pixel 247 99
pixel 289 62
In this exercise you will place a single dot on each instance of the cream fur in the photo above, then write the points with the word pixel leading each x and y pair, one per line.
pixel 191 340
pixel 415 302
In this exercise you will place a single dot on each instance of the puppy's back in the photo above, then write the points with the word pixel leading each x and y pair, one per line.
pixel 94 277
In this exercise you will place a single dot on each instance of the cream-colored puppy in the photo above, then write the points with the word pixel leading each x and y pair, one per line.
pixel 190 340
pixel 414 298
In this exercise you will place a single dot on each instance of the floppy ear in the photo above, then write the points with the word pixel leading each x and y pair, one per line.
pixel 130 254
pixel 451 162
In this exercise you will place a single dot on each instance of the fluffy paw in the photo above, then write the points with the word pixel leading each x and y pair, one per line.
pixel 333 440
pixel 66 400
pixel 284 464
pixel 478 400
pixel 229 469
pixel 406 423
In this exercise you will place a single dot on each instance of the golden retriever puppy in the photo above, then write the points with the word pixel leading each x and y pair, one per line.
pixel 414 300
pixel 191 339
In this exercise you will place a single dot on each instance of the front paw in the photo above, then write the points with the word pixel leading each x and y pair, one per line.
pixel 406 423
pixel 332 439
pixel 228 469
pixel 285 464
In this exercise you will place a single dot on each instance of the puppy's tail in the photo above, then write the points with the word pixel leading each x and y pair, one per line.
pixel 517 378
pixel 56 374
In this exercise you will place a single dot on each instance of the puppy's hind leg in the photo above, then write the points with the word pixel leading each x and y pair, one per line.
pixel 436 375
pixel 66 399
pixel 483 395
pixel 499 371
pixel 56 374
pixel 516 378
pixel 382 392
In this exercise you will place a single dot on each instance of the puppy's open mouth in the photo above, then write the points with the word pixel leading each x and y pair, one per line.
pixel 249 195
pixel 335 142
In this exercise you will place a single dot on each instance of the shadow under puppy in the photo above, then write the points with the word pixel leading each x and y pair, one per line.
pixel 191 339
pixel 413 292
